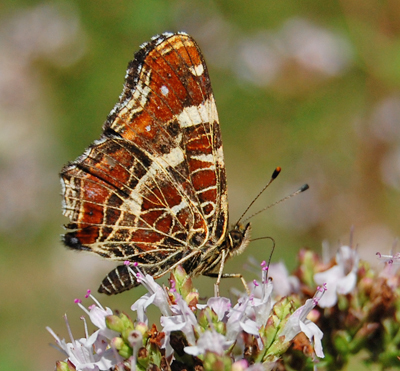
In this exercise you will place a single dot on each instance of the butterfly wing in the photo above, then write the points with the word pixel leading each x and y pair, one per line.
pixel 152 189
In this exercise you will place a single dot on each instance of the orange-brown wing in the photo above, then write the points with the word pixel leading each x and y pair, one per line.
pixel 152 188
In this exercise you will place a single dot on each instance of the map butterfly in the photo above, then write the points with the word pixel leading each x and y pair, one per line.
pixel 152 189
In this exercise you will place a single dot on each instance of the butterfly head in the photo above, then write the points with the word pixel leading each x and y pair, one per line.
pixel 239 238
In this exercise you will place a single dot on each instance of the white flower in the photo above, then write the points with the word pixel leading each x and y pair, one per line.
pixel 287 285
pixel 238 321
pixel 259 309
pixel 298 322
pixel 219 305
pixel 87 354
pixel 156 295
pixel 97 315
pixel 209 341
pixel 390 269
pixel 182 319
pixel 341 278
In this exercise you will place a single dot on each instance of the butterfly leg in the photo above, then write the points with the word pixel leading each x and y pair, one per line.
pixel 221 275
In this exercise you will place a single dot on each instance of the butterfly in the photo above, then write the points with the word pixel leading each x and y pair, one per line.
pixel 152 189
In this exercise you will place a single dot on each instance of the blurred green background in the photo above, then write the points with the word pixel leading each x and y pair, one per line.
pixel 311 86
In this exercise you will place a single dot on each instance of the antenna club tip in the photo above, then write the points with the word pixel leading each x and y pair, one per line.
pixel 276 172
pixel 304 187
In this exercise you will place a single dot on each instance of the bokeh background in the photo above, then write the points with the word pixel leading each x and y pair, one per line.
pixel 311 86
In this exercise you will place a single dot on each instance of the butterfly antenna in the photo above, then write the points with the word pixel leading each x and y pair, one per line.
pixel 303 188
pixel 273 177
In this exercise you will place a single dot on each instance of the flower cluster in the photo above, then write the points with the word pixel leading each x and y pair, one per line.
pixel 91 352
pixel 252 334
pixel 293 324
pixel 360 312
